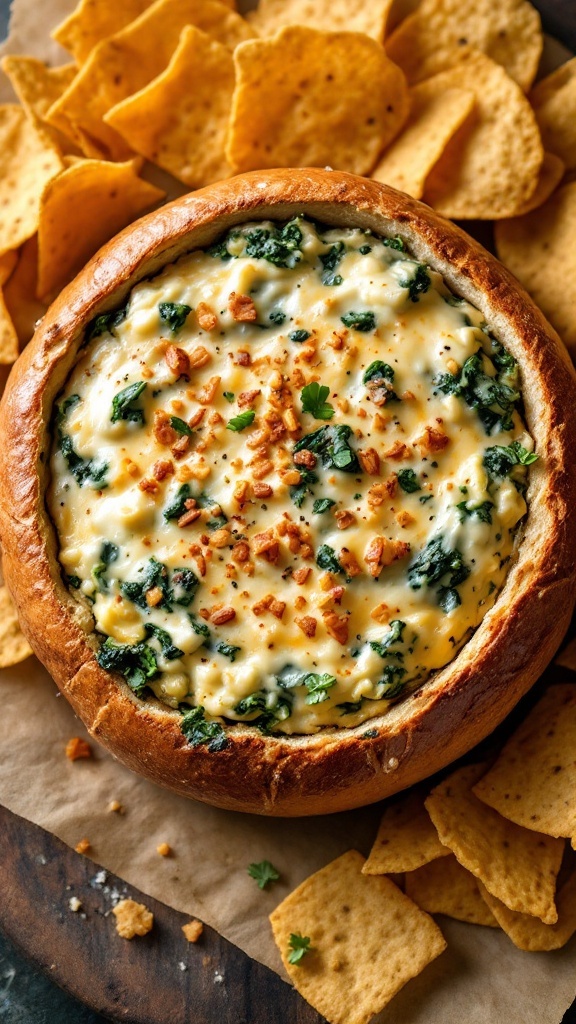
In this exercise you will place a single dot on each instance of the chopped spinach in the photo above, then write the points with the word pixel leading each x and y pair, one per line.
pixel 500 460
pixel 391 683
pixel 228 395
pixel 184 584
pixel 408 481
pixel 359 321
pixel 493 399
pixel 200 628
pixel 105 323
pixel 277 316
pixel 165 640
pixel 363 250
pixel 180 426
pixel 151 575
pixel 136 662
pixel 481 511
pixel 394 243
pixel 322 505
pixel 317 686
pixel 418 283
pixel 299 491
pixel 378 371
pixel 331 444
pixel 439 564
pixel 91 471
pixel 198 730
pixel 72 581
pixel 326 558
pixel 123 407
pixel 108 553
pixel 330 261
pixel 227 650
pixel 350 707
pixel 279 246
pixel 394 636
pixel 269 713
pixel 174 314
pixel 178 507
pixel 299 335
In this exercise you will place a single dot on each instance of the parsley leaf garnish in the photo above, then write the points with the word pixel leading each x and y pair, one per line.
pixel 174 314
pixel 242 420
pixel 264 872
pixel 299 945
pixel 180 426
pixel 313 398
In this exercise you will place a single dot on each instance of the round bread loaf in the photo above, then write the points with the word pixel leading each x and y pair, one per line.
pixel 457 706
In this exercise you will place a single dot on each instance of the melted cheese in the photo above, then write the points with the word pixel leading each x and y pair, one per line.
pixel 330 614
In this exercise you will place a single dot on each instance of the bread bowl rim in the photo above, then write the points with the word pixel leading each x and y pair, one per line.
pixel 338 768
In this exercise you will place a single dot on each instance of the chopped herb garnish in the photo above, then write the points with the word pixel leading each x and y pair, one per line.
pixel 174 314
pixel 277 316
pixel 123 407
pixel 106 322
pixel 326 558
pixel 229 396
pixel 317 686
pixel 323 505
pixel 313 397
pixel 481 511
pixel 330 261
pixel 364 250
pixel 264 872
pixel 391 684
pixel 165 640
pixel 378 371
pixel 242 420
pixel 136 662
pixel 299 335
pixel 359 321
pixel 180 426
pixel 418 283
pixel 394 243
pixel 298 945
pixel 331 444
pixel 408 481
pixel 198 730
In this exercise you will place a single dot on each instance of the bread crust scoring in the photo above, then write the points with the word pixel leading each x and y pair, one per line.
pixel 456 708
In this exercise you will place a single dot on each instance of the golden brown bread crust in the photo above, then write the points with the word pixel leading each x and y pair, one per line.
pixel 461 704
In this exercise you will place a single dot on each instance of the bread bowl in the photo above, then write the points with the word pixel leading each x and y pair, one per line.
pixel 235 765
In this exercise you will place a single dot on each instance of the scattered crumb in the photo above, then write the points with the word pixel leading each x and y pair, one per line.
pixel 193 930
pixel 218 978
pixel 83 846
pixel 182 965
pixel 77 748
pixel 74 904
pixel 132 919
pixel 100 879
pixel 164 850
pixel 116 806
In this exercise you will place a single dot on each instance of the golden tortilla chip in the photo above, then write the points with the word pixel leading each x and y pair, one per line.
pixel 366 940
pixel 406 838
pixel 551 174
pixel 306 98
pixel 8 261
pixel 8 336
pixel 20 293
pixel 13 645
pixel 508 31
pixel 517 866
pixel 38 87
pixel 434 117
pixel 531 934
pixel 94 20
pixel 126 62
pixel 81 209
pixel 180 121
pixel 533 782
pixel 490 167
pixel 445 887
pixel 554 102
pixel 27 164
pixel 535 247
pixel 327 15
pixel 567 657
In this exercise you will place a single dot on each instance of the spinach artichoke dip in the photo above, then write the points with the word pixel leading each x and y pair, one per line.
pixel 288 479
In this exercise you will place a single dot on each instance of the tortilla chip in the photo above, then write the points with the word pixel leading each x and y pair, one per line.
pixel 445 887
pixel 307 98
pixel 366 940
pixel 95 20
pixel 533 782
pixel 81 209
pixel 327 15
pixel 551 174
pixel 26 165
pixel 20 293
pixel 517 866
pixel 531 934
pixel 567 657
pixel 8 336
pixel 126 62
pixel 8 261
pixel 13 645
pixel 490 167
pixel 535 247
pixel 406 838
pixel 434 117
pixel 508 31
pixel 180 121
pixel 554 102
pixel 38 87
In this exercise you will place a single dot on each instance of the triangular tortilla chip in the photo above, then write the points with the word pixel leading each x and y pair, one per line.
pixel 445 887
pixel 406 838
pixel 27 164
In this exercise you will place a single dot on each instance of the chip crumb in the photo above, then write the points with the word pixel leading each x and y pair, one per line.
pixel 116 806
pixel 182 966
pixel 132 919
pixel 77 748
pixel 193 930
pixel 83 846
pixel 164 850
pixel 75 904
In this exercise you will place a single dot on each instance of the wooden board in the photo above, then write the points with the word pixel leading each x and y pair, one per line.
pixel 138 982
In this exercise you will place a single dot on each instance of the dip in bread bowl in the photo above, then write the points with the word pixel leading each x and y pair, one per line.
pixel 288 502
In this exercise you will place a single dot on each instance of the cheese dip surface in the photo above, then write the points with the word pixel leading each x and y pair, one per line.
pixel 287 478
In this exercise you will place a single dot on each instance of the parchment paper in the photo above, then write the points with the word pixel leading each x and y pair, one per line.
pixel 481 979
